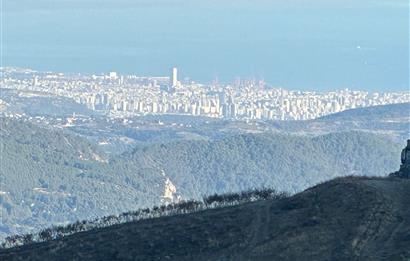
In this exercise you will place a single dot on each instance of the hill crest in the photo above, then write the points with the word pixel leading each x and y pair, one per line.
pixel 344 219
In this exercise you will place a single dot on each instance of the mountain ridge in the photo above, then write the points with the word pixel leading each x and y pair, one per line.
pixel 347 218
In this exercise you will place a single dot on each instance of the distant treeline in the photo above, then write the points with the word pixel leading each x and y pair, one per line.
pixel 183 207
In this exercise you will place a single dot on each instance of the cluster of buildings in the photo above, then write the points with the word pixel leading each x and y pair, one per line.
pixel 130 95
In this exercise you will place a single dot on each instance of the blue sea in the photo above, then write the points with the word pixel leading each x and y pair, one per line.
pixel 305 45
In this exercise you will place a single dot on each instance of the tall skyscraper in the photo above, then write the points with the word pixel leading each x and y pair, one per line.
pixel 174 77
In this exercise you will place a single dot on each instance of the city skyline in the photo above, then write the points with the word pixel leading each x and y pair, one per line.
pixel 122 96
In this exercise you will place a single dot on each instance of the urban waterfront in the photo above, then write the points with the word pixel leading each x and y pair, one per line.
pixel 122 96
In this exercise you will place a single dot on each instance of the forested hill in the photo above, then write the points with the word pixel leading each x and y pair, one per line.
pixel 49 177
pixel 391 120
pixel 390 111
pixel 284 162
pixel 345 219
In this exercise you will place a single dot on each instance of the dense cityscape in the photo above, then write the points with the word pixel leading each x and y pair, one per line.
pixel 122 96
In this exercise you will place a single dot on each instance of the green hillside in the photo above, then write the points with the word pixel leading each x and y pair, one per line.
pixel 284 162
pixel 50 177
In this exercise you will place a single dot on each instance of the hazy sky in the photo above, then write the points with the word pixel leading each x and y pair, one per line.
pixel 296 44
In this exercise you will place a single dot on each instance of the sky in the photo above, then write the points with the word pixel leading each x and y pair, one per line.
pixel 296 44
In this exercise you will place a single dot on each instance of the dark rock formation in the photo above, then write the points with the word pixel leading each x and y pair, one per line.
pixel 404 171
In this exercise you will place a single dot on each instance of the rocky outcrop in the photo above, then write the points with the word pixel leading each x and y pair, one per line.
pixel 404 171
pixel 170 191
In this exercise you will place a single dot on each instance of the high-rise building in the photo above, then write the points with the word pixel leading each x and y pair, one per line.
pixel 174 77
pixel 113 76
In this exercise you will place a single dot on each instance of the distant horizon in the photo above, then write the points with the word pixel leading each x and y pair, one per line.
pixel 319 45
